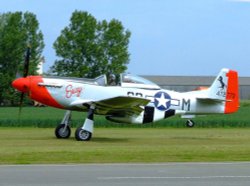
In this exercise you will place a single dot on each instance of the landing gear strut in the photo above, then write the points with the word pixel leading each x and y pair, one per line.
pixel 63 130
pixel 190 123
pixel 84 133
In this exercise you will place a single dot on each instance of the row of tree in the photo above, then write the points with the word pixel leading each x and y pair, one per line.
pixel 85 48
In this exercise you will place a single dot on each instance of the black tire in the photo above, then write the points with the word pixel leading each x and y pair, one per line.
pixel 82 135
pixel 62 132
pixel 190 123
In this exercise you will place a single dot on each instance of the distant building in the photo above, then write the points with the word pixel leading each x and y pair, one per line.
pixel 189 83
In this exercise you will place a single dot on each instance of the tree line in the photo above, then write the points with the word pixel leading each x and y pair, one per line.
pixel 85 48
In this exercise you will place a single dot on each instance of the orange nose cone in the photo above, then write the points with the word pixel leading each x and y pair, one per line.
pixel 21 84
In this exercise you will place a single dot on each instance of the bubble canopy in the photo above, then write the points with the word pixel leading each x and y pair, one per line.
pixel 133 81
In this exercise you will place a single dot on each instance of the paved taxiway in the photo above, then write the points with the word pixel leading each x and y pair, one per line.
pixel 173 174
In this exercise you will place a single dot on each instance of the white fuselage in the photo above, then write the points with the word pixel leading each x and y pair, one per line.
pixel 69 93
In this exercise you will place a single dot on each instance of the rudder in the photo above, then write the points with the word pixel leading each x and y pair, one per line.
pixel 232 95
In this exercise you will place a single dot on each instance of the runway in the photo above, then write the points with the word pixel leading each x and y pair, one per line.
pixel 172 174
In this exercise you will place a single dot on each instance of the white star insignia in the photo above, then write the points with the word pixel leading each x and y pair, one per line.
pixel 162 101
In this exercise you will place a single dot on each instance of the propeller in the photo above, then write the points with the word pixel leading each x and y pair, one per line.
pixel 25 74
pixel 26 63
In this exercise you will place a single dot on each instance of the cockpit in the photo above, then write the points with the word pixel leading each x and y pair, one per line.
pixel 122 80
pixel 128 81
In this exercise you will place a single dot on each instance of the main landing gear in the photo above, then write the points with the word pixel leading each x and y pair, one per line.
pixel 83 133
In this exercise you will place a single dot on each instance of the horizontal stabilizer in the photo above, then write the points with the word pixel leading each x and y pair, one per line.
pixel 212 100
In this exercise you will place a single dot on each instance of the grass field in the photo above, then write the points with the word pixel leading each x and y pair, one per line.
pixel 39 146
pixel 31 140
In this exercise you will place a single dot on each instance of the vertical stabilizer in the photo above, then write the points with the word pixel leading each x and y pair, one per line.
pixel 226 88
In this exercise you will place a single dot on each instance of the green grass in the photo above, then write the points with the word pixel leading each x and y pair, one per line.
pixel 50 117
pixel 215 138
pixel 109 145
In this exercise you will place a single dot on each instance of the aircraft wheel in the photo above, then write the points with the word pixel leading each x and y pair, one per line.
pixel 190 123
pixel 62 131
pixel 82 135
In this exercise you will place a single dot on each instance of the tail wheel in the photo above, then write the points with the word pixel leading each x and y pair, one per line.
pixel 62 131
pixel 190 123
pixel 82 135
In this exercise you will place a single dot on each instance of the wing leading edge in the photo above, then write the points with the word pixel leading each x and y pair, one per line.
pixel 120 105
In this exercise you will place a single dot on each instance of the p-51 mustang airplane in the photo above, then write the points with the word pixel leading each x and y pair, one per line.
pixel 133 100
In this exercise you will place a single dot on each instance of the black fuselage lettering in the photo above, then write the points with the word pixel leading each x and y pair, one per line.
pixel 186 104
pixel 135 94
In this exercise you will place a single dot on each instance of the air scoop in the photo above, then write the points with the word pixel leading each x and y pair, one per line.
pixel 21 84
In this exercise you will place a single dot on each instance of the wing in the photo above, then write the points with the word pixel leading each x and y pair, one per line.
pixel 120 105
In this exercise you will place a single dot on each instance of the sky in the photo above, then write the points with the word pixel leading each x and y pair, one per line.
pixel 169 37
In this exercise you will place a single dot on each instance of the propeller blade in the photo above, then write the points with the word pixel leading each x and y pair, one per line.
pixel 25 74
pixel 21 104
pixel 26 63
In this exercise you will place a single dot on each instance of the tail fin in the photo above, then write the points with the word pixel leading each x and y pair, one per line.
pixel 226 88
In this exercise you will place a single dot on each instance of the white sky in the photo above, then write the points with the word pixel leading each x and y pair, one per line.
pixel 178 37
